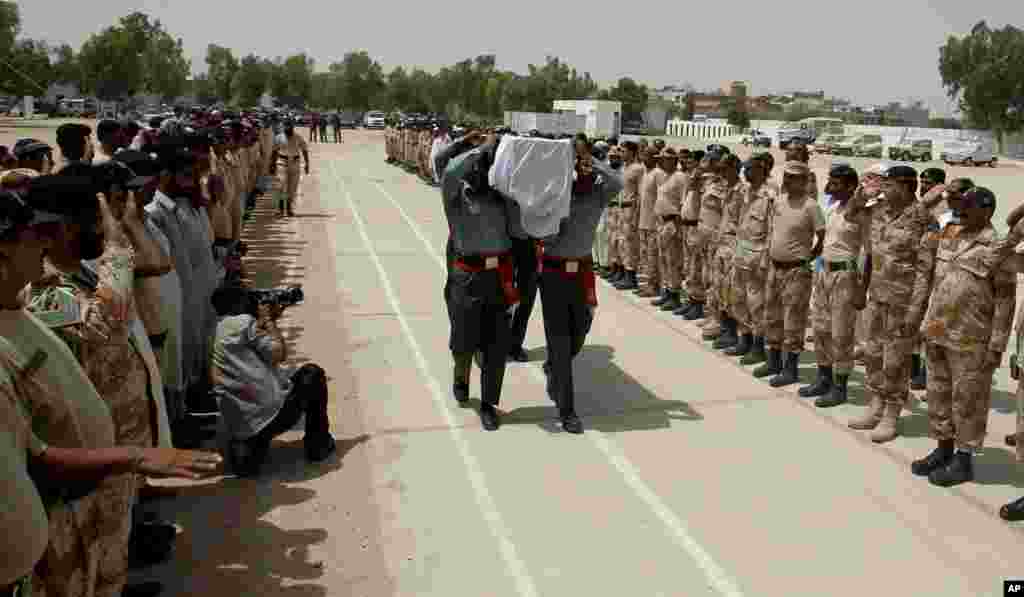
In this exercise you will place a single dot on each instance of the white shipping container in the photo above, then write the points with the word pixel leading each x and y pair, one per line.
pixel 553 124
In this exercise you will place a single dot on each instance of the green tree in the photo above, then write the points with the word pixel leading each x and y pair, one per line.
pixel 10 26
pixel 294 80
pixel 984 71
pixel 251 81
pixel 203 89
pixel 633 96
pixel 65 65
pixel 221 68
pixel 28 63
pixel 362 80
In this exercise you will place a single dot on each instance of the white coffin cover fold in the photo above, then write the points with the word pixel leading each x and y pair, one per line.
pixel 537 174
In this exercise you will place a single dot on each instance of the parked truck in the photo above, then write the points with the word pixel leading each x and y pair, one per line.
pixel 548 124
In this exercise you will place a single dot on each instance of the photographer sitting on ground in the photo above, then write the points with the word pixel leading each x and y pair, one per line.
pixel 257 399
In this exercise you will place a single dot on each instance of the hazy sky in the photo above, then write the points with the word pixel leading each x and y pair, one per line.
pixel 868 51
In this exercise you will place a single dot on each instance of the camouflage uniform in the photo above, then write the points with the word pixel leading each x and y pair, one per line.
pixel 667 208
pixel 702 212
pixel 723 250
pixel 648 226
pixel 902 263
pixel 629 237
pixel 969 317
pixel 836 286
pixel 750 262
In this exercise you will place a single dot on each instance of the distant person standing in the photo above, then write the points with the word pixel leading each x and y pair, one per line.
pixel 323 128
pixel 336 125
pixel 288 148
pixel 314 127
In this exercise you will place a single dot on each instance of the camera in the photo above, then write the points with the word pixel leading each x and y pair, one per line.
pixel 282 297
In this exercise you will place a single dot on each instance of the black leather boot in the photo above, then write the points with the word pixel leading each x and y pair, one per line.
pixel 837 395
pixel 1013 511
pixel 673 302
pixel 756 354
pixel 788 375
pixel 772 366
pixel 959 470
pixel 628 282
pixel 661 300
pixel 938 459
pixel 683 308
pixel 821 386
pixel 743 346
pixel 728 339
pixel 918 373
pixel 695 312
pixel 617 273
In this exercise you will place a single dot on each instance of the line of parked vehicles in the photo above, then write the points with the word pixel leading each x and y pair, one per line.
pixel 827 136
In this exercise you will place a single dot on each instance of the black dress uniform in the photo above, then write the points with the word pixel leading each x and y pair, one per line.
pixel 567 288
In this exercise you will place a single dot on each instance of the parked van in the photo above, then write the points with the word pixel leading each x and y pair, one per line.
pixel 970 152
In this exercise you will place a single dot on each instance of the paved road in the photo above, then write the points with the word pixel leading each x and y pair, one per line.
pixel 692 478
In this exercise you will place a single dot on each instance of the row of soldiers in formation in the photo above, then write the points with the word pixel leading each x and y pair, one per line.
pixel 758 259
pixel 416 149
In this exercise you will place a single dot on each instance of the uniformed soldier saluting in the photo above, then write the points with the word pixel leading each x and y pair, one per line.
pixel 966 331
pixel 901 275
pixel 629 204
pixel 667 208
pixel 839 290
pixel 480 292
pixel 567 282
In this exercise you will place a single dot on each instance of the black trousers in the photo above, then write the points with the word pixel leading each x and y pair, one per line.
pixel 308 396
pixel 524 256
pixel 567 321
pixel 479 323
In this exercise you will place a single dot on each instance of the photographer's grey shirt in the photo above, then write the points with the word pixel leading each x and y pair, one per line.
pixel 576 234
pixel 250 389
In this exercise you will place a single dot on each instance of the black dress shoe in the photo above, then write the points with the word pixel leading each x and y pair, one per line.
pixel 142 589
pixel 461 393
pixel 519 355
pixel 1013 511
pixel 1011 440
pixel 489 417
pixel 959 470
pixel 571 423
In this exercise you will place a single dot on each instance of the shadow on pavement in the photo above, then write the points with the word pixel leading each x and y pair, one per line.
pixel 607 398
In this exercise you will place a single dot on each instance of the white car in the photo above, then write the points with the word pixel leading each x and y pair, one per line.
pixel 969 153
pixel 374 120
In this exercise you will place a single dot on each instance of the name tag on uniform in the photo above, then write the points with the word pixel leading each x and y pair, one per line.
pixel 572 266
pixel 491 263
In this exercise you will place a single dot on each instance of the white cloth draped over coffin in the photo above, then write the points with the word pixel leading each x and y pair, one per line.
pixel 537 174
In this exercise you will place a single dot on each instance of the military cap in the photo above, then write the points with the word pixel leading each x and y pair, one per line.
pixel 842 170
pixel 900 171
pixel 26 147
pixel 937 175
pixel 668 153
pixel 72 131
pixel 15 212
pixel 795 168
pixel 142 164
pixel 980 197
pixel 70 197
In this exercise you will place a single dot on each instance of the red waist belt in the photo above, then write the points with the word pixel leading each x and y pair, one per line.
pixel 581 270
pixel 500 262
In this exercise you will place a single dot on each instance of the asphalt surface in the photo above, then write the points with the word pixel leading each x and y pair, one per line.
pixel 692 478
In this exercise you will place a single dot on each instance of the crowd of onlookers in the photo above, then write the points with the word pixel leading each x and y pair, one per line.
pixel 128 335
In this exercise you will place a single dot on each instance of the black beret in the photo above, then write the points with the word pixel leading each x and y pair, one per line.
pixel 25 147
pixel 140 162
pixel 72 130
pixel 72 197
pixel 843 171
pixel 901 171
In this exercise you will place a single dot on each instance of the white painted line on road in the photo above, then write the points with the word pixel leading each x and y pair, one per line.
pixel 516 567
pixel 716 576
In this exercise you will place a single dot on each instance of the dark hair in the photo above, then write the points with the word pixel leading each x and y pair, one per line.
pixel 631 146
pixel 106 129
pixel 697 155
pixel 845 173
pixel 581 137
pixel 71 140
pixel 936 175
pixel 966 183
pixel 228 299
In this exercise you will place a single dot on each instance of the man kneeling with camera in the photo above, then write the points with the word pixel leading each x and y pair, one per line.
pixel 258 400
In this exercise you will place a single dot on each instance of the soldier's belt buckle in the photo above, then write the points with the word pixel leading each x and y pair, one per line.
pixel 491 263
pixel 572 266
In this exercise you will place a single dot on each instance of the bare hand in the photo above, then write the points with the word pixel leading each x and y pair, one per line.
pixel 132 212
pixel 112 230
pixel 170 462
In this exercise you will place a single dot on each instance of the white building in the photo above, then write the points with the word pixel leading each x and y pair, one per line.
pixel 604 118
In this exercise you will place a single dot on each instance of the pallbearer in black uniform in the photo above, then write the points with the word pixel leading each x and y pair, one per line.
pixel 567 282
pixel 480 290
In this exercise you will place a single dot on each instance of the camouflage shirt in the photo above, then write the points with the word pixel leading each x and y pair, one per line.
pixel 752 231
pixel 972 303
pixel 732 205
pixel 902 257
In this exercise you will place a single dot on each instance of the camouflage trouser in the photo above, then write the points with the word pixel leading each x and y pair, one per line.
pixel 959 392
pixel 683 250
pixel 834 318
pixel 612 226
pixel 747 299
pixel 629 239
pixel 652 260
pixel 696 257
pixel 722 275
pixel 668 248
pixel 787 298
pixel 887 351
